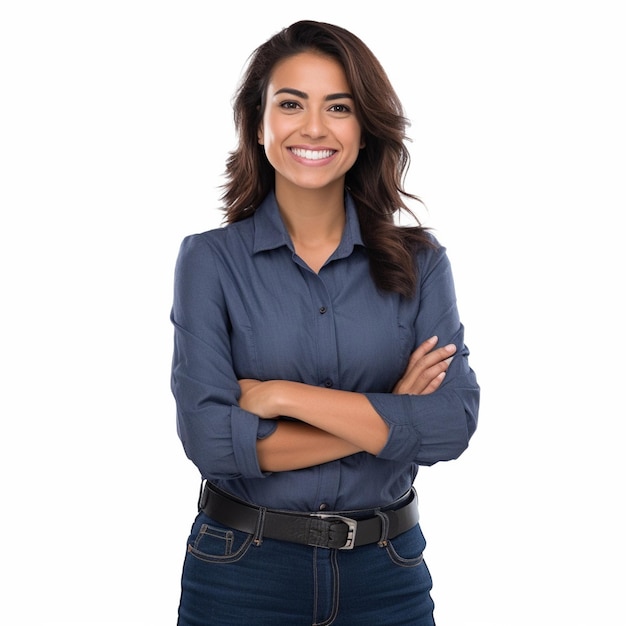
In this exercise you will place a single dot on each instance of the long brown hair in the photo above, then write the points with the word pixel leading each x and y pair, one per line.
pixel 375 180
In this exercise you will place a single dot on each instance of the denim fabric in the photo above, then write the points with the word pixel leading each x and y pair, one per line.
pixel 229 580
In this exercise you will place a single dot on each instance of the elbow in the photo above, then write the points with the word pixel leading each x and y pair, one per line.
pixel 210 464
pixel 211 454
pixel 468 422
pixel 449 450
pixel 466 419
pixel 449 443
pixel 457 448
pixel 215 446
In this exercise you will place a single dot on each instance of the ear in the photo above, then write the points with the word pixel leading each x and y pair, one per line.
pixel 259 134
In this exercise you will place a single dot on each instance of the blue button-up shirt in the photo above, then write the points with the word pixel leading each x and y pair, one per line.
pixel 246 306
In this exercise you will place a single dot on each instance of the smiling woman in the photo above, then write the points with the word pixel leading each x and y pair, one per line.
pixel 319 357
pixel 310 131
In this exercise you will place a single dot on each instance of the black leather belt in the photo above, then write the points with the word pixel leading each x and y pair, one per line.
pixel 327 530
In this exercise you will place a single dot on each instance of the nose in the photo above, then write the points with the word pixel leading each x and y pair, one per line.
pixel 313 124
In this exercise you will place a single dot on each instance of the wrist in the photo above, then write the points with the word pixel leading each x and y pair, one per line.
pixel 285 394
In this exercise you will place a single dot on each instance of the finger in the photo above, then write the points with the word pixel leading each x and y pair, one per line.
pixel 247 383
pixel 434 384
pixel 429 358
pixel 423 382
pixel 418 367
pixel 424 348
pixel 420 378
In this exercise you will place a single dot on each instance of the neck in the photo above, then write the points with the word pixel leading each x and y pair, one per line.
pixel 312 215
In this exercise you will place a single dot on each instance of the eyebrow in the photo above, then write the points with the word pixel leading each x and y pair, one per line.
pixel 305 96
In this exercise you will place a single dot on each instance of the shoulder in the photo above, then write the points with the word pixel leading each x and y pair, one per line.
pixel 432 258
pixel 225 241
pixel 429 248
pixel 205 258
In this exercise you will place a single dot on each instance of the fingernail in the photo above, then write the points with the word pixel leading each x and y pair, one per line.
pixel 450 347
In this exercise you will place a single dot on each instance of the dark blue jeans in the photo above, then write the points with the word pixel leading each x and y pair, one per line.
pixel 229 580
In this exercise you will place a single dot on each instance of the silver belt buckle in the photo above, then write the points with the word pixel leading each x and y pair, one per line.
pixel 349 522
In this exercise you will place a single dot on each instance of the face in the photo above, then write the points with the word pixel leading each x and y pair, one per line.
pixel 309 129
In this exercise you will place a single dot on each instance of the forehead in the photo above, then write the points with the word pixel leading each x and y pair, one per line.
pixel 310 72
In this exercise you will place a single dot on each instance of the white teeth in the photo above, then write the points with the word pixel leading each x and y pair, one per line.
pixel 312 155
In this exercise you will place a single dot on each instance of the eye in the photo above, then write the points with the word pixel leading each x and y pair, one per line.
pixel 340 108
pixel 289 105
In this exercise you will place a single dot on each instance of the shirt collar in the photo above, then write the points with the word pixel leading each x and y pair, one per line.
pixel 270 231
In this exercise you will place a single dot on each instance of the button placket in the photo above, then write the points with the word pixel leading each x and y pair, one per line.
pixel 327 365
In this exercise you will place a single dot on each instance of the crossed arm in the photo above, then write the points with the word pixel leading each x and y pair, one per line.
pixel 332 424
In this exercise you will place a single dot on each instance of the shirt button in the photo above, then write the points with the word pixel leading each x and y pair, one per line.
pixel 328 382
pixel 323 506
pixel 323 310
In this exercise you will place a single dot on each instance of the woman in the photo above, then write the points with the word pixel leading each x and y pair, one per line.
pixel 319 358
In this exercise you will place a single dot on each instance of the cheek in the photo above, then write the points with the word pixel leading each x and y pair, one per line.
pixel 271 147
pixel 356 145
pixel 269 136
pixel 353 137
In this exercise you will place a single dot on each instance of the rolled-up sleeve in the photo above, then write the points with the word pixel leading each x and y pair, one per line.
pixel 436 427
pixel 217 436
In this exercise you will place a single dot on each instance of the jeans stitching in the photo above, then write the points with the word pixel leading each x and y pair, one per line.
pixel 334 611
pixel 401 561
pixel 227 536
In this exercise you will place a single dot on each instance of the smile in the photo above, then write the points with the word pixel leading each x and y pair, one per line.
pixel 312 155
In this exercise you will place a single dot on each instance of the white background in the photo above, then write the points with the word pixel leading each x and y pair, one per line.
pixel 115 123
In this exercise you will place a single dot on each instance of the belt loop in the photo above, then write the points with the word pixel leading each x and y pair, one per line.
pixel 203 496
pixel 384 529
pixel 260 523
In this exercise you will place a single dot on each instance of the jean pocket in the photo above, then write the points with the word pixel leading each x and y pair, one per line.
pixel 407 549
pixel 218 544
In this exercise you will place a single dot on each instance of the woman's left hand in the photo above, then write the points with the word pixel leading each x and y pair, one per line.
pixel 258 397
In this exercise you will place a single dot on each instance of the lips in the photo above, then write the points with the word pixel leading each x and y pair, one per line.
pixel 312 155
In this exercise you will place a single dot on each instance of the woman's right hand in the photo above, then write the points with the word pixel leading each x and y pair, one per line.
pixel 426 369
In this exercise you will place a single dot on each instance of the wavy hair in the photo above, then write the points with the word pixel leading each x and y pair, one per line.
pixel 376 179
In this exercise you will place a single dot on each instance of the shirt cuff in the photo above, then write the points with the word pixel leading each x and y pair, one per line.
pixel 404 441
pixel 246 429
